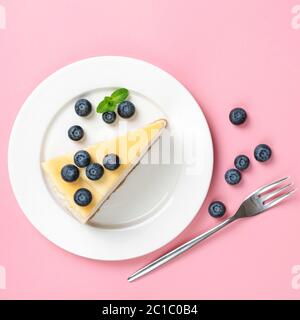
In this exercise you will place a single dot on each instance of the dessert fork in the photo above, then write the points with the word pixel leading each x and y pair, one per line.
pixel 259 201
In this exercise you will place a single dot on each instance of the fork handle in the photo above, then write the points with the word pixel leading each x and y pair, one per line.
pixel 179 250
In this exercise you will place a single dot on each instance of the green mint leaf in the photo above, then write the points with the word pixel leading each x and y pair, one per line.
pixel 119 95
pixel 110 103
pixel 111 106
pixel 105 105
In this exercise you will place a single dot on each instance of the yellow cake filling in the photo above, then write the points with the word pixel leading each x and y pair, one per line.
pixel 129 147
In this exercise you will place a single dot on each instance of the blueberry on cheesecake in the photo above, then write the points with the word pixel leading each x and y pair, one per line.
pixel 94 171
pixel 83 197
pixel 69 173
pixel 82 158
pixel 111 161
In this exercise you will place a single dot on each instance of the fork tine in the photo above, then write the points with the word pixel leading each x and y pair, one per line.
pixel 279 199
pixel 267 187
pixel 275 192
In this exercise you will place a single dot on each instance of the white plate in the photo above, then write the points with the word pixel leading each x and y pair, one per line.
pixel 156 202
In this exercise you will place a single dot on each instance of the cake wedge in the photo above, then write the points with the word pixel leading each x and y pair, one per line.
pixel 127 149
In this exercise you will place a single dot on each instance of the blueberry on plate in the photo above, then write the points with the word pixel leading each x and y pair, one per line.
pixel 69 173
pixel 83 197
pixel 82 159
pixel 262 153
pixel 94 171
pixel 237 116
pixel 126 109
pixel 232 176
pixel 217 209
pixel 75 133
pixel 83 107
pixel 241 162
pixel 111 161
pixel 109 116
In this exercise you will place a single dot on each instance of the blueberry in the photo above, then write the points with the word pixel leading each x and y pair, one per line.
pixel 233 176
pixel 262 153
pixel 109 116
pixel 82 159
pixel 241 162
pixel 111 161
pixel 75 133
pixel 83 197
pixel 237 116
pixel 94 171
pixel 126 109
pixel 217 209
pixel 83 107
pixel 69 173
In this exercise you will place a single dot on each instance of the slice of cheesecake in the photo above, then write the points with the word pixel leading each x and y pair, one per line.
pixel 129 148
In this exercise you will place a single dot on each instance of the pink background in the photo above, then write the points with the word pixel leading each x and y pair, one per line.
pixel 226 53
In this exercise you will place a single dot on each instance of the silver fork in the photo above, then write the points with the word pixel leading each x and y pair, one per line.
pixel 259 201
